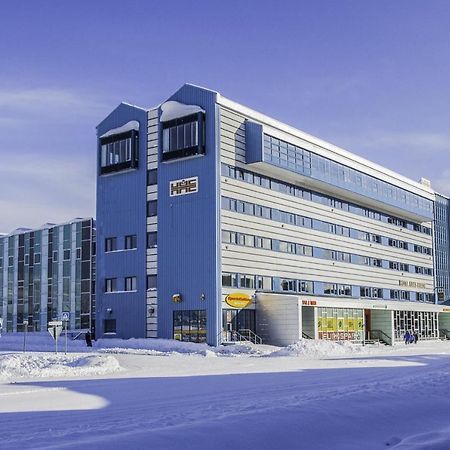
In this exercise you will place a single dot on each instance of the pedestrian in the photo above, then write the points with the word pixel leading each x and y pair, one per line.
pixel 416 337
pixel 407 337
pixel 88 338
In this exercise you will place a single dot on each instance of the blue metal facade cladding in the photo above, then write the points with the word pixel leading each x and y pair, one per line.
pixel 189 228
pixel 121 211
pixel 254 142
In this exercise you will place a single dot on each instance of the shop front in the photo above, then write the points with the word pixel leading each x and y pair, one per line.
pixel 238 318
pixel 340 324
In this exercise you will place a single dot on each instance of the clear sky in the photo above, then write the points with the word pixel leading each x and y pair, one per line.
pixel 371 76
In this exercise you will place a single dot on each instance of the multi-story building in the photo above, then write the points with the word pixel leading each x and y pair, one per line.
pixel 216 222
pixel 45 272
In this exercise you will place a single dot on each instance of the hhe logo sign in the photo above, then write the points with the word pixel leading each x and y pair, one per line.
pixel 183 187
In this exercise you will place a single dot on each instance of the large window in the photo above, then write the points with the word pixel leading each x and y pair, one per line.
pixel 183 137
pixel 119 152
pixel 189 326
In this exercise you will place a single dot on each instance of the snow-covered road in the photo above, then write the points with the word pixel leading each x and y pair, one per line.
pixel 379 399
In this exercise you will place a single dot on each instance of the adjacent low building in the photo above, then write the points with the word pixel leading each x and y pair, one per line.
pixel 217 223
pixel 45 272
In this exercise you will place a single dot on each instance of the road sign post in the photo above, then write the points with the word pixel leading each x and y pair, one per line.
pixel 25 329
pixel 55 328
pixel 65 316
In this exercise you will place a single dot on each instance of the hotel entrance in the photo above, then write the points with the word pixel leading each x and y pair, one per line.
pixel 237 324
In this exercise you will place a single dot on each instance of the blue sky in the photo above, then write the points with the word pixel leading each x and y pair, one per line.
pixel 369 76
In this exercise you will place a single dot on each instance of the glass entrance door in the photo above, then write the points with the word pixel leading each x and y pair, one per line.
pixel 236 320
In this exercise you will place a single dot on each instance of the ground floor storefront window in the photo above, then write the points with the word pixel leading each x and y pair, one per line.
pixel 424 323
pixel 340 324
pixel 189 325
pixel 237 322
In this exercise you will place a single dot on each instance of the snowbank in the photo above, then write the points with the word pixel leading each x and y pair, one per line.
pixel 433 440
pixel 166 347
pixel 55 365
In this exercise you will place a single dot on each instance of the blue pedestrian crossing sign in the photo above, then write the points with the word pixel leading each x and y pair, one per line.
pixel 65 316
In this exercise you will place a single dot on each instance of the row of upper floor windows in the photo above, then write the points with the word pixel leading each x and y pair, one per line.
pixel 280 284
pixel 129 284
pixel 277 215
pixel 306 194
pixel 35 258
pixel 129 243
pixel 283 154
pixel 249 240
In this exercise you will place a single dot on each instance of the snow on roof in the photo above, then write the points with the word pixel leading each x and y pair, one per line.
pixel 173 110
pixel 131 125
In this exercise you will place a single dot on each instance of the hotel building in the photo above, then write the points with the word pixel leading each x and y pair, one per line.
pixel 217 223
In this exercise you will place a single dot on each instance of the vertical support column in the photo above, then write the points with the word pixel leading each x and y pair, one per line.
pixel 73 259
pixel 15 273
pixel 152 225
pixel 60 268
pixel 44 279
pixel 4 288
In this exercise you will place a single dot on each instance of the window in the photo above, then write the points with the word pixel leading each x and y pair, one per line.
pixel 109 325
pixel 130 284
pixel 66 255
pixel 152 177
pixel 26 261
pixel 151 282
pixel 229 279
pixel 130 242
pixel 247 281
pixel 183 137
pixel 110 284
pixel 263 283
pixel 305 286
pixel 10 261
pixel 152 208
pixel 226 279
pixel 37 258
pixel 288 285
pixel 119 152
pixel 265 243
pixel 110 244
pixel 78 252
pixel 189 326
pixel 152 239
pixel 55 256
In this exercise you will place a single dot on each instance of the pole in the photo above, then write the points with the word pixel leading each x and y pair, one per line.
pixel 24 337
pixel 65 323
pixel 56 339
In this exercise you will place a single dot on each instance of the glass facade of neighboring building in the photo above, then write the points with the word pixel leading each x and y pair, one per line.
pixel 46 272
pixel 442 246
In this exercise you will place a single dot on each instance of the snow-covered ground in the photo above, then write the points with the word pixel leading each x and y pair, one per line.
pixel 158 394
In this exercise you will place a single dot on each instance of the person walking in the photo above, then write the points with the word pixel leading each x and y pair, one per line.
pixel 88 339
pixel 416 337
pixel 407 337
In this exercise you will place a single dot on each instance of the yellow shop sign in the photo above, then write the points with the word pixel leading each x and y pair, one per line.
pixel 238 300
